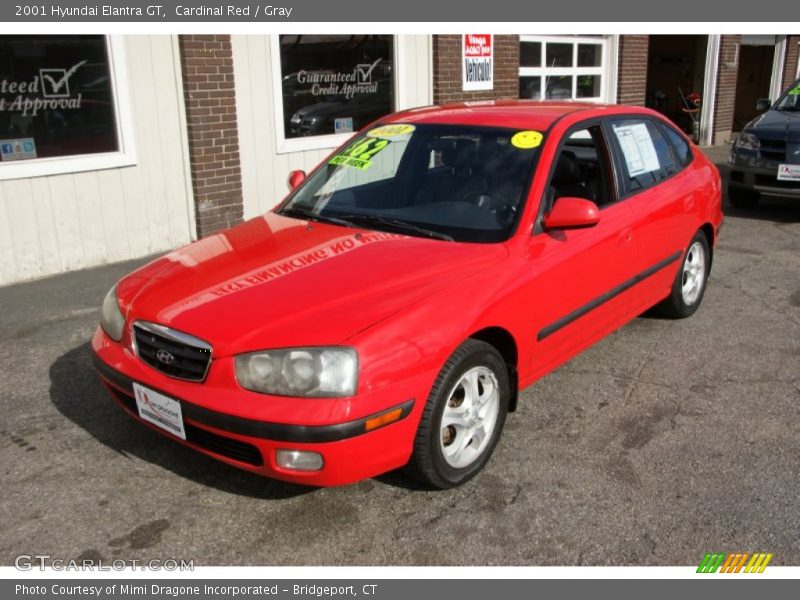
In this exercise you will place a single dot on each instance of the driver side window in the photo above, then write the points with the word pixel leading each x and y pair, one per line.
pixel 582 169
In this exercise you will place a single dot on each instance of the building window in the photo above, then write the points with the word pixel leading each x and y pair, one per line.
pixel 563 68
pixel 58 106
pixel 334 84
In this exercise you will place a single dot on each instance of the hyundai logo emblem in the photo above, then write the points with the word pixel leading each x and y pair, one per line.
pixel 165 356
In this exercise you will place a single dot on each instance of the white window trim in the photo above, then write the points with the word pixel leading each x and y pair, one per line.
pixel 605 70
pixel 123 113
pixel 321 142
pixel 706 134
pixel 776 82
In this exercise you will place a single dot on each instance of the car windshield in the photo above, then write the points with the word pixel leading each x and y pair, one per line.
pixel 791 99
pixel 450 182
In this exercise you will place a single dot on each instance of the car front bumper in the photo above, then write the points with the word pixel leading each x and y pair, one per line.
pixel 748 171
pixel 350 452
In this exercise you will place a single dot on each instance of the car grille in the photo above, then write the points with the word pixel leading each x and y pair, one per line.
pixel 773 149
pixel 213 442
pixel 773 182
pixel 173 353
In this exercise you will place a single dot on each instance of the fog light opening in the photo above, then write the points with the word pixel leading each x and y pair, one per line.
pixel 299 460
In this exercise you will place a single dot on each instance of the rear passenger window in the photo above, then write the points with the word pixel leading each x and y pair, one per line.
pixel 681 148
pixel 646 155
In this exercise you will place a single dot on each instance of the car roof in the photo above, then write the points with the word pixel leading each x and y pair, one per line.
pixel 522 114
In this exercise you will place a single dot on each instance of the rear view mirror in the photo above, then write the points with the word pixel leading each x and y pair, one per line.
pixel 572 213
pixel 295 179
pixel 763 104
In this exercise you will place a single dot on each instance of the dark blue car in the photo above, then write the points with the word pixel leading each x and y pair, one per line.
pixel 765 156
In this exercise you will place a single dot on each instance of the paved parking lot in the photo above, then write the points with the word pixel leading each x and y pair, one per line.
pixel 666 440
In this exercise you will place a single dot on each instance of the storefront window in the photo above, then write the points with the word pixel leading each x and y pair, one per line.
pixel 335 83
pixel 573 67
pixel 530 54
pixel 56 97
pixel 559 55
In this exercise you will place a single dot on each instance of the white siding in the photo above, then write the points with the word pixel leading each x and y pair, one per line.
pixel 59 223
pixel 264 170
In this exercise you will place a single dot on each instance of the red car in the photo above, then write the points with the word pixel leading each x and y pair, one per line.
pixel 388 312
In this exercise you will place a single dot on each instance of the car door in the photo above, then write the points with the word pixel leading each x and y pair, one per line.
pixel 661 194
pixel 580 275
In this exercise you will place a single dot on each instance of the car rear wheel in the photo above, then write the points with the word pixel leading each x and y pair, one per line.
pixel 690 281
pixel 742 198
pixel 463 418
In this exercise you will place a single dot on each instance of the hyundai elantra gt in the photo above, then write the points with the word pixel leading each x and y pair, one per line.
pixel 388 311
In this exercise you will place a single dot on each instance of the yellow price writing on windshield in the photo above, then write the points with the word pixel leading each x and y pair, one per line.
pixel 360 155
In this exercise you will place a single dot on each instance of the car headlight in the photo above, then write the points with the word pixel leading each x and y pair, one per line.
pixel 112 320
pixel 322 372
pixel 747 141
pixel 296 119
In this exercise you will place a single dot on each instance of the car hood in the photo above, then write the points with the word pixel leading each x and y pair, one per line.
pixel 776 125
pixel 275 282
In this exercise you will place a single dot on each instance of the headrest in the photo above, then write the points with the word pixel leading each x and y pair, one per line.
pixel 460 154
pixel 567 170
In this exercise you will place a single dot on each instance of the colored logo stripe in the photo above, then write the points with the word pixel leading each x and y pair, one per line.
pixel 711 562
pixel 734 562
pixel 759 562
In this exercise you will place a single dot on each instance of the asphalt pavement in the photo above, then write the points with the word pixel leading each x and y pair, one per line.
pixel 666 440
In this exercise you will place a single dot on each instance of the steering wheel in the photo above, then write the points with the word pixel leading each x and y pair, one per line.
pixel 502 210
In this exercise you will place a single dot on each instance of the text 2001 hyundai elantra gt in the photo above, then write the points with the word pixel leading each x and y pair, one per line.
pixel 388 311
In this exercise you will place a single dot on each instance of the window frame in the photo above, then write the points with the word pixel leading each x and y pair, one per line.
pixel 543 71
pixel 616 190
pixel 124 156
pixel 284 145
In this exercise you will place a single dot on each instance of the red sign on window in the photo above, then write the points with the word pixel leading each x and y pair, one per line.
pixel 477 61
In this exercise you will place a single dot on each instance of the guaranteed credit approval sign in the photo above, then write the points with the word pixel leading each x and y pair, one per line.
pixel 477 61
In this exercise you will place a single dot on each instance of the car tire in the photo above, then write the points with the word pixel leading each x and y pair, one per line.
pixel 742 198
pixel 690 280
pixel 471 394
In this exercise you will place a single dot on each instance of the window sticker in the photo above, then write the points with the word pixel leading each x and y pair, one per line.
pixel 359 156
pixel 390 131
pixel 527 139
pixel 638 149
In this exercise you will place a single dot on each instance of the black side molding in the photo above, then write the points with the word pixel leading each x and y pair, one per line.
pixel 278 432
pixel 609 295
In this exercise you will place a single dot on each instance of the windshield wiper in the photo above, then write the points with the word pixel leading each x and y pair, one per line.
pixel 304 213
pixel 395 223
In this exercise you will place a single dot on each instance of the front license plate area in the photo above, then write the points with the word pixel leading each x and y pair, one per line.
pixel 160 410
pixel 788 172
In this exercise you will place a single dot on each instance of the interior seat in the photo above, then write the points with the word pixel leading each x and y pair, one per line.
pixel 463 180
pixel 568 181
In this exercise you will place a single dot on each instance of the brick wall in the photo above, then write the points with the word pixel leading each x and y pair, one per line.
pixel 728 67
pixel 447 70
pixel 790 62
pixel 632 68
pixel 209 95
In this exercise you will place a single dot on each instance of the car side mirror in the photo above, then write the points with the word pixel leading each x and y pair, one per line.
pixel 296 178
pixel 572 213
pixel 763 104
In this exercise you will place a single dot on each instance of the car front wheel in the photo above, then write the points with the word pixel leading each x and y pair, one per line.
pixel 463 417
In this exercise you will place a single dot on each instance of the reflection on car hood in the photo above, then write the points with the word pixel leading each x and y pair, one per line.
pixel 776 125
pixel 276 282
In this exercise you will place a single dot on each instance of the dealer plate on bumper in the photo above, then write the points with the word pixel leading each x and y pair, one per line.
pixel 788 172
pixel 159 410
